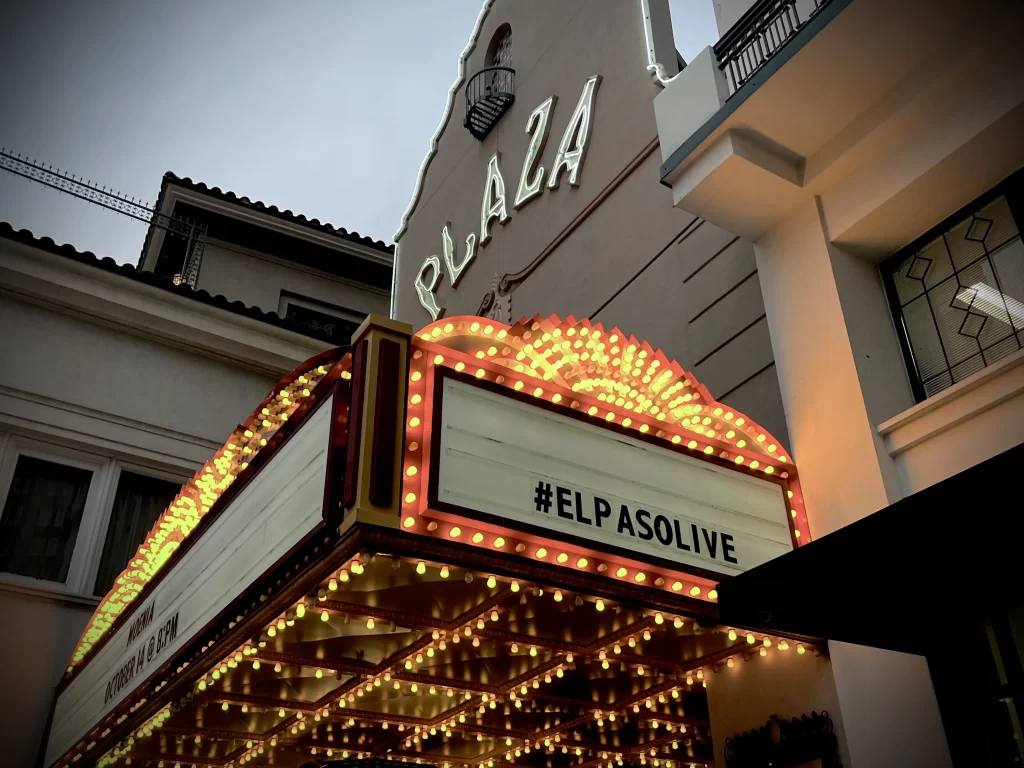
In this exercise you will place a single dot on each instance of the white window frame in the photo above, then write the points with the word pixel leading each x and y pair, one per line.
pixel 107 509
pixel 99 503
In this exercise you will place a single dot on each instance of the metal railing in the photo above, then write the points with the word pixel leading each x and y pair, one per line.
pixel 192 232
pixel 489 93
pixel 758 35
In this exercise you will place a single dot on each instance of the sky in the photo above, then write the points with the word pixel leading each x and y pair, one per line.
pixel 323 107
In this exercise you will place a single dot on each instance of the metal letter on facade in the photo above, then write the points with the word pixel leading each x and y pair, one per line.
pixel 424 291
pixel 538 126
pixel 493 205
pixel 455 270
pixel 573 148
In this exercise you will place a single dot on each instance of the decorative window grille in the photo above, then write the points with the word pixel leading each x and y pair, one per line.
pixel 957 293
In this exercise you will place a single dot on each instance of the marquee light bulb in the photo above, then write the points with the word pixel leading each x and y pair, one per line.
pixel 659 619
pixel 300 610
pixel 421 567
pixel 324 616
pixel 256 664
pixel 444 571
pixel 800 649
pixel 750 638
pixel 533 650
pixel 599 605
pixel 319 674
pixel 515 586
pixel 491 582
pixel 370 624
pixel 558 595
pixel 277 667
pixel 732 634
pixel 764 651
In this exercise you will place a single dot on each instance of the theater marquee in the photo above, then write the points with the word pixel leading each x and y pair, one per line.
pixel 565 477
pixel 564 442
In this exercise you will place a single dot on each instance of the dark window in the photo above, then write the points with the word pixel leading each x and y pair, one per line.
pixel 137 504
pixel 338 329
pixel 41 517
pixel 957 294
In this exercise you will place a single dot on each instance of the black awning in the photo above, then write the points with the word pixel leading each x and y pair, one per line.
pixel 903 577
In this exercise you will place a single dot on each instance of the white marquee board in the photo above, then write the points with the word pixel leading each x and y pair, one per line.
pixel 273 513
pixel 530 465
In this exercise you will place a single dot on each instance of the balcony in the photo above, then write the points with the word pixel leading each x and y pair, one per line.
pixel 489 94
pixel 891 115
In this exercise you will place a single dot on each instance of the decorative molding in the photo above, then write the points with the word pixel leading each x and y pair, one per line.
pixel 132 307
pixel 955 405
pixel 88 428
pixel 786 743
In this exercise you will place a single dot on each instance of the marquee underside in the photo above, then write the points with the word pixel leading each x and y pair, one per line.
pixel 547 670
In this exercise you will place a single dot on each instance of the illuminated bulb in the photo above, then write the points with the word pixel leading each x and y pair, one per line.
pixel 370 623
pixel 281 713
pixel 581 563
pixel 478 537
pixel 659 619
pixel 324 616
pixel 750 638
pixel 491 582
pixel 783 645
pixel 455 532
pixel 568 658
pixel 444 571
pixel 494 615
pixel 562 557
pixel 767 642
pixel 332 585
pixel 542 553
pixel 256 664
pixel 599 605
pixel 515 648
pixel 421 567
pixel 343 575
pixel 647 634
pixel 732 634
pixel 730 663
pixel 515 586
pixel 558 595
pixel 800 648
pixel 640 671
pixel 764 651
pixel 533 650
pixel 300 610
pixel 319 674
pixel 277 667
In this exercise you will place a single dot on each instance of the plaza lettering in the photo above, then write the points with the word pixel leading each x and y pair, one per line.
pixel 148 650
pixel 494 206
pixel 636 523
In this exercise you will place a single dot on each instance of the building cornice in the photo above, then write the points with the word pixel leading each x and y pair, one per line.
pixel 36 275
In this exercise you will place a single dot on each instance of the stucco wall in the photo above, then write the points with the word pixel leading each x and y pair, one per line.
pixel 38 639
pixel 258 280
pixel 66 380
pixel 625 256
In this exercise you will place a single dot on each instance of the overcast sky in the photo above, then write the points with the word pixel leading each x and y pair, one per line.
pixel 324 107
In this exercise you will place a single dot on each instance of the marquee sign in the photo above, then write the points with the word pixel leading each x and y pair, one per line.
pixel 557 439
pixel 566 477
pixel 494 206
pixel 274 512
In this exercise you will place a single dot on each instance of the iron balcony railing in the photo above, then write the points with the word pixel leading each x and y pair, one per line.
pixel 489 94
pixel 759 34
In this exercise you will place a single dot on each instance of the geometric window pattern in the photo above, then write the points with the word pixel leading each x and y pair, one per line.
pixel 958 296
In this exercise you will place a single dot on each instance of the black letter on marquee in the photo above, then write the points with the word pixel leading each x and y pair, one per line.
pixel 727 548
pixel 563 502
pixel 642 516
pixel 696 539
pixel 601 509
pixel 712 542
pixel 667 538
pixel 679 537
pixel 579 510
pixel 624 521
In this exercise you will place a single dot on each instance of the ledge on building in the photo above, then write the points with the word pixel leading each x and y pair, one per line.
pixel 747 137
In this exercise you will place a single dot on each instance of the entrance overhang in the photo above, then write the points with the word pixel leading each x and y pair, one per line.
pixel 352 593
pixel 946 555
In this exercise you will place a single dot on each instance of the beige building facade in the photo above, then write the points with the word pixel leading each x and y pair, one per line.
pixel 600 239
